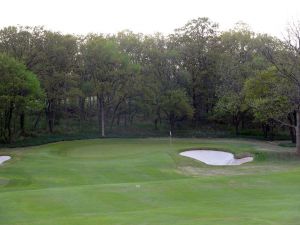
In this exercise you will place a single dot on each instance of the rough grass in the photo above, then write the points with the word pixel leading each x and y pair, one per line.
pixel 146 182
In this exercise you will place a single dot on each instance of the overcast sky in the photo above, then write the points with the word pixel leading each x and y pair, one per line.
pixel 147 16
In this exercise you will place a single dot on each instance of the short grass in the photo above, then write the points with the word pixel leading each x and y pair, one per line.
pixel 146 182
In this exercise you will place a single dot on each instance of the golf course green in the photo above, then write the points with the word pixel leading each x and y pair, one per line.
pixel 147 182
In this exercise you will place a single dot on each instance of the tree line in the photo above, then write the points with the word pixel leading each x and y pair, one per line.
pixel 195 75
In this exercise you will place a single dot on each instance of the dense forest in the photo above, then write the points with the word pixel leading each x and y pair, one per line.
pixel 197 78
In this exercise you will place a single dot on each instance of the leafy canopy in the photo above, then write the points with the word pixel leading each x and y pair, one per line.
pixel 18 86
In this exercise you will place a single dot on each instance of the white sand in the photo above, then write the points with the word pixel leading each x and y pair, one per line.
pixel 4 158
pixel 215 158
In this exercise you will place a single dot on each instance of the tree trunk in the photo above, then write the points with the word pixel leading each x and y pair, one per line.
pixel 172 122
pixel 236 122
pixel 118 119
pixel 194 102
pixel 236 128
pixel 125 119
pixel 114 114
pixel 90 107
pixel 50 115
pixel 243 122
pixel 292 134
pixel 82 108
pixel 8 120
pixel 101 115
pixel 292 120
pixel 265 128
pixel 158 118
pixel 155 124
pixel 22 123
pixel 37 120
pixel 272 135
pixel 132 118
pixel 298 133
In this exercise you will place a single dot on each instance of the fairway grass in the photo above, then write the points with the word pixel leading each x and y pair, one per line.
pixel 147 182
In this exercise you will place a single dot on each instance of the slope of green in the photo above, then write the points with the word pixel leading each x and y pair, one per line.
pixel 146 182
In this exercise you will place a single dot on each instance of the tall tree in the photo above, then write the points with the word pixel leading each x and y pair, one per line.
pixel 196 42
pixel 176 106
pixel 285 57
pixel 239 60
pixel 266 94
pixel 106 64
pixel 161 74
pixel 55 70
pixel 19 89
pixel 125 102
pixel 20 43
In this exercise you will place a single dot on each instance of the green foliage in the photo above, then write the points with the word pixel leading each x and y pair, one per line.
pixel 17 84
pixel 230 104
pixel 239 60
pixel 196 43
pixel 175 105
pixel 265 95
pixel 130 78
pixel 19 91
pixel 104 61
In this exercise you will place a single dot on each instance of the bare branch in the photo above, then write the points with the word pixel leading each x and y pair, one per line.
pixel 283 123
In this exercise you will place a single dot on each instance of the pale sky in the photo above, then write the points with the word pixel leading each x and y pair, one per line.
pixel 147 16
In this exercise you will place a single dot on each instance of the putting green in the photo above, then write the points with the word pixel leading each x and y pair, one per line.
pixel 146 182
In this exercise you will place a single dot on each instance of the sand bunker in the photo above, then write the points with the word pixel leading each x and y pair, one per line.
pixel 4 158
pixel 215 158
